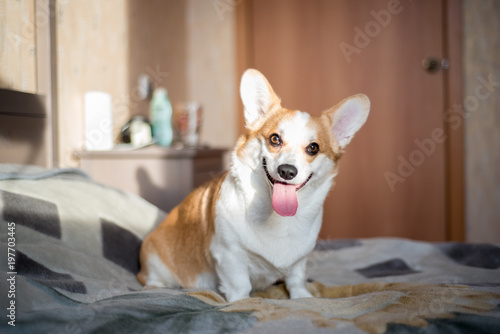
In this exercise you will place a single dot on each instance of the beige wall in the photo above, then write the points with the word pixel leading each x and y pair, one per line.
pixel 156 47
pixel 92 54
pixel 482 125
pixel 211 69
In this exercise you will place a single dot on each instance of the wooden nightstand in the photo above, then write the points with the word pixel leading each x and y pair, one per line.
pixel 163 176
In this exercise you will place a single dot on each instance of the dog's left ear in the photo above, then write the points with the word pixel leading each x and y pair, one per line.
pixel 348 117
pixel 257 95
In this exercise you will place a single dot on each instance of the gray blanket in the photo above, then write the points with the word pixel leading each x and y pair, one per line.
pixel 70 254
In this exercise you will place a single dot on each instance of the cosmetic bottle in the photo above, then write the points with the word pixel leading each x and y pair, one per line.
pixel 160 110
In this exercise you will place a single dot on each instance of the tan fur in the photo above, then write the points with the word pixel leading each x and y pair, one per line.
pixel 183 239
pixel 325 140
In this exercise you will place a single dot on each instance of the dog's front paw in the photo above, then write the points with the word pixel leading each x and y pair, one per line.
pixel 300 293
pixel 233 293
pixel 232 297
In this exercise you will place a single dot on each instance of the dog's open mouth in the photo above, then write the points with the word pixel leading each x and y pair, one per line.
pixel 284 197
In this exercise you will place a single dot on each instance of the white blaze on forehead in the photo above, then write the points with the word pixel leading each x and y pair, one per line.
pixel 295 131
pixel 296 134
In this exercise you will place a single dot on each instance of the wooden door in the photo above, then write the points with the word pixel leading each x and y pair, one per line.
pixel 393 176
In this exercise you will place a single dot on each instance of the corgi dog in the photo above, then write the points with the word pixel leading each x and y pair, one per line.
pixel 256 223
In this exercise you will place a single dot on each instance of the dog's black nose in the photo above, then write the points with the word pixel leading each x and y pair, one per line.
pixel 287 172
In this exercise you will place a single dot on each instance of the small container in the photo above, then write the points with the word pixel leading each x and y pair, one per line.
pixel 161 117
pixel 187 123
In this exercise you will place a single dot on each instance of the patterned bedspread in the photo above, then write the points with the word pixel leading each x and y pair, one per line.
pixel 69 254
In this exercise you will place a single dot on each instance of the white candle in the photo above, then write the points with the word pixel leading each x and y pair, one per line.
pixel 98 121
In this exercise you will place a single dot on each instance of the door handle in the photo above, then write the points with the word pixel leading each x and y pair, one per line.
pixel 432 64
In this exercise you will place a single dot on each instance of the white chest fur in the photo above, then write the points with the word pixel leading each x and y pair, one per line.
pixel 264 245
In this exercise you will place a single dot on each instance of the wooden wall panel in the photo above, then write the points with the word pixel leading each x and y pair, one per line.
pixel 482 119
pixel 22 128
pixel 17 45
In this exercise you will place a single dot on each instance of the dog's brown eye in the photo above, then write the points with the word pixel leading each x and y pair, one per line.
pixel 275 139
pixel 312 149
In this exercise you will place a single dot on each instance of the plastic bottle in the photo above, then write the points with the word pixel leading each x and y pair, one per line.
pixel 160 110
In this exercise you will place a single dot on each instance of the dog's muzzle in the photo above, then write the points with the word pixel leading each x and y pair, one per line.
pixel 284 195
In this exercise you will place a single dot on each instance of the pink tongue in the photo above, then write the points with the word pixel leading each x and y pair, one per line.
pixel 285 199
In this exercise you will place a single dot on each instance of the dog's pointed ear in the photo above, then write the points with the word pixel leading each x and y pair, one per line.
pixel 257 95
pixel 347 117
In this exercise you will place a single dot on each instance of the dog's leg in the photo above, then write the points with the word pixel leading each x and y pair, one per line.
pixel 234 280
pixel 295 280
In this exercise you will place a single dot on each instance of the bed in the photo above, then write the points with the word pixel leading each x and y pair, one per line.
pixel 70 255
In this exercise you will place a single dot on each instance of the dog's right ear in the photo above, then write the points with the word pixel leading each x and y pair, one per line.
pixel 257 95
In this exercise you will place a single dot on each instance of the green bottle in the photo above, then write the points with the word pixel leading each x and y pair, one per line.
pixel 160 113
